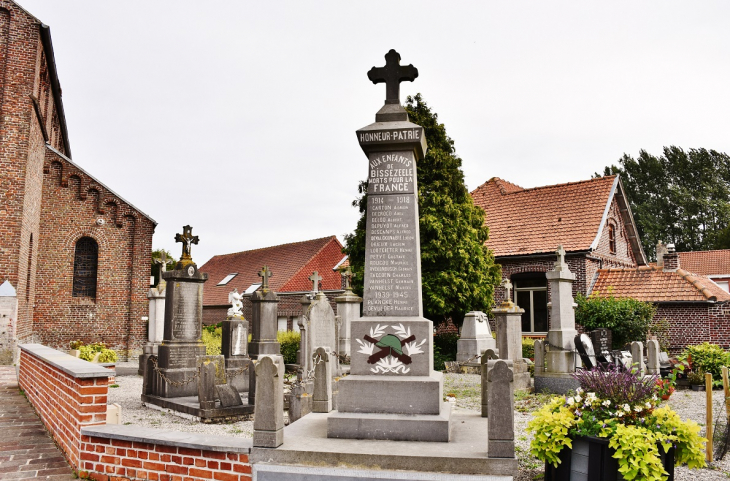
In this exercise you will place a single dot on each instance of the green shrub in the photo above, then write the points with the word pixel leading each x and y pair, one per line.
pixel 707 357
pixel 87 352
pixel 528 348
pixel 212 338
pixel 628 319
pixel 289 341
pixel 108 355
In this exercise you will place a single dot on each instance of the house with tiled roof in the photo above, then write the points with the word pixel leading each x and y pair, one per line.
pixel 714 264
pixel 697 309
pixel 591 219
pixel 291 265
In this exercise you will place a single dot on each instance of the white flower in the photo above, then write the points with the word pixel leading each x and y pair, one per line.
pixel 627 408
pixel 654 397
pixel 638 409
pixel 570 401
pixel 578 391
pixel 607 402
pixel 648 405
pixel 578 398
pixel 619 414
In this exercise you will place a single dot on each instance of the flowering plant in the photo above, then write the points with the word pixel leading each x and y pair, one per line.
pixel 624 408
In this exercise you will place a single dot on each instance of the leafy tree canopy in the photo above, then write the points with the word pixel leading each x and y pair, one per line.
pixel 458 271
pixel 678 197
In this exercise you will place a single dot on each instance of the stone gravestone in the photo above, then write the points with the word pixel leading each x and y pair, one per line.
pixel 212 373
pixel 562 317
pixel 268 423
pixel 489 355
pixel 508 322
pixel 391 369
pixel 156 317
pixel 177 355
pixel 348 308
pixel 584 346
pixel 234 347
pixel 501 427
pixel 264 319
pixel 539 349
pixel 322 397
pixel 637 356
pixel 476 337
pixel 652 355
pixel 321 327
pixel 304 361
pixel 601 339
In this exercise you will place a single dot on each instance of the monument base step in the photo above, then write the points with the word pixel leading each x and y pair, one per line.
pixel 555 382
pixel 306 447
pixel 392 427
pixel 190 407
pixel 373 394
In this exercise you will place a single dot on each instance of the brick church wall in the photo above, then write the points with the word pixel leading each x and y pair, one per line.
pixel 695 323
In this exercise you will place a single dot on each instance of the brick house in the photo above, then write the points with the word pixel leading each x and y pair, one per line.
pixel 76 253
pixel 291 264
pixel 713 264
pixel 591 219
pixel 697 309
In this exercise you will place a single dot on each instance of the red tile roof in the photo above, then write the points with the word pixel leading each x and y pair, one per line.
pixel 706 263
pixel 291 265
pixel 652 284
pixel 532 221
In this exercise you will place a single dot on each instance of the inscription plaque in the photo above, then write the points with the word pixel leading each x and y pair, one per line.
pixel 187 309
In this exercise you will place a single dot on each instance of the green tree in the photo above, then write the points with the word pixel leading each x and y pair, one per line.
pixel 155 267
pixel 628 319
pixel 678 197
pixel 457 270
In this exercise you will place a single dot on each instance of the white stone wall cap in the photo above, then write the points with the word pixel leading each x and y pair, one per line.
pixel 69 364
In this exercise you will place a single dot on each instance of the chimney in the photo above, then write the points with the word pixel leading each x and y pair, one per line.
pixel 661 250
pixel 671 259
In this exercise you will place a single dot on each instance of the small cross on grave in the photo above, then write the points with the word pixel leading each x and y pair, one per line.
pixel 346 274
pixel 392 74
pixel 187 238
pixel 264 274
pixel 315 278
pixel 561 256
pixel 508 286
pixel 162 260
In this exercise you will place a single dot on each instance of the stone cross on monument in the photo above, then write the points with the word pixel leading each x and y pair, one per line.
pixel 346 274
pixel 265 273
pixel 162 260
pixel 187 238
pixel 315 278
pixel 392 75
pixel 508 287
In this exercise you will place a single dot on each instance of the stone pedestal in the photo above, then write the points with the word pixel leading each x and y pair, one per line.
pixel 508 322
pixel 234 347
pixel 476 337
pixel 156 323
pixel 181 345
pixel 348 308
pixel 264 306
pixel 560 355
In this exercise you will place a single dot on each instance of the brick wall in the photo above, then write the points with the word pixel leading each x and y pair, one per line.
pixel 64 402
pixel 695 323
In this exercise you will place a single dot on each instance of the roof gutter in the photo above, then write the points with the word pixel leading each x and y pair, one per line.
pixel 541 254
pixel 45 32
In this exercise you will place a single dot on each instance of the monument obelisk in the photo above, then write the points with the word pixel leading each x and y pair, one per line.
pixel 392 391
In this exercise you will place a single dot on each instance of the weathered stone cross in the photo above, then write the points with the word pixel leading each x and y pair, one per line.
pixel 508 286
pixel 187 238
pixel 392 74
pixel 561 255
pixel 264 274
pixel 162 260
pixel 347 275
pixel 315 278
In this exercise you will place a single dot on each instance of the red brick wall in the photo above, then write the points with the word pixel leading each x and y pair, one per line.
pixel 695 323
pixel 105 459
pixel 64 403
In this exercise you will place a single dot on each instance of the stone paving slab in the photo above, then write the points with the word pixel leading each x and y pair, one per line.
pixel 26 450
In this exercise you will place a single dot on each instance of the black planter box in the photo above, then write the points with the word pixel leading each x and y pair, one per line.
pixel 592 460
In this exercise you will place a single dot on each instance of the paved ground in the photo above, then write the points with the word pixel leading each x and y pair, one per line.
pixel 26 449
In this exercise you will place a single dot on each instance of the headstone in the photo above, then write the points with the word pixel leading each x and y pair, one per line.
pixel 584 346
pixel 562 317
pixel 268 423
pixel 177 355
pixel 476 337
pixel 264 319
pixel 501 426
pixel 234 347
pixel 210 371
pixel 391 367
pixel 228 396
pixel 652 355
pixel 539 349
pixel 508 323
pixel 321 331
pixel 602 339
pixel 300 399
pixel 322 396
pixel 489 355
pixel 637 356
pixel 304 360
pixel 156 319
pixel 348 308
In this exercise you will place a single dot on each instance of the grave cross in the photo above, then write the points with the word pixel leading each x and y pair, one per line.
pixel 508 286
pixel 346 274
pixel 561 255
pixel 392 74
pixel 162 260
pixel 187 238
pixel 315 278
pixel 264 274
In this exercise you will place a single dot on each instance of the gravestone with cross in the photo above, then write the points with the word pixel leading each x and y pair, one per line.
pixel 321 330
pixel 348 309
pixel 391 367
pixel 316 279
pixel 264 310
pixel 182 327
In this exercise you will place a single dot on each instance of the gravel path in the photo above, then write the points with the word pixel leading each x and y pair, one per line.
pixel 465 387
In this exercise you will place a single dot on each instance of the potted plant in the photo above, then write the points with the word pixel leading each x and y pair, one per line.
pixel 665 387
pixel 615 421
pixel 696 380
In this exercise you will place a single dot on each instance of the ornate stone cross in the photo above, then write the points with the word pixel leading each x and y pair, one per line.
pixel 187 238
pixel 346 274
pixel 392 74
pixel 265 273
pixel 508 286
pixel 315 278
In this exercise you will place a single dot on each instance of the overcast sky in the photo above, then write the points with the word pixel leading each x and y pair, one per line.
pixel 239 118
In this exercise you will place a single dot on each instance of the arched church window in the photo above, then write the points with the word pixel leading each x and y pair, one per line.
pixel 86 258
pixel 611 238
